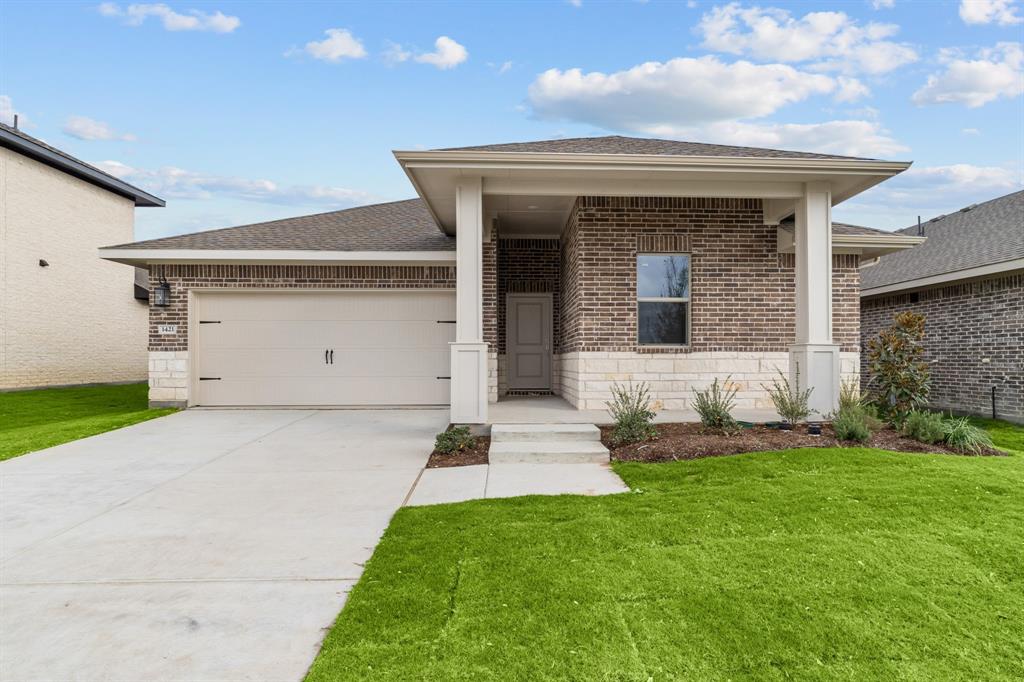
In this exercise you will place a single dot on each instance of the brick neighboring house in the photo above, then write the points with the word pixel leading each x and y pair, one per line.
pixel 559 267
pixel 65 316
pixel 968 280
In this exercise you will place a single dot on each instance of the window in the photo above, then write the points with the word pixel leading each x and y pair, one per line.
pixel 663 299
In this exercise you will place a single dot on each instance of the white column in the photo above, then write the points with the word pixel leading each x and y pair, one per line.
pixel 468 351
pixel 814 359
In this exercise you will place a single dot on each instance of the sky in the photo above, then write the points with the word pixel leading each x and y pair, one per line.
pixel 239 112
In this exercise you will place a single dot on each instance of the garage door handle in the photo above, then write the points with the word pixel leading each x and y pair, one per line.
pixel 326 355
pixel 443 377
pixel 332 356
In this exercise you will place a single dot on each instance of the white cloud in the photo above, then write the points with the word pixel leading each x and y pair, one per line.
pixel 85 128
pixel 447 54
pixel 177 183
pixel 1001 12
pixel 843 137
pixel 971 131
pixel 829 40
pixel 678 93
pixel 394 54
pixel 505 67
pixel 850 89
pixel 575 3
pixel 929 191
pixel 339 44
pixel 995 72
pixel 883 4
pixel 195 20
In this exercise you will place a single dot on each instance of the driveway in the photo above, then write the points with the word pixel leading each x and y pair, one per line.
pixel 207 545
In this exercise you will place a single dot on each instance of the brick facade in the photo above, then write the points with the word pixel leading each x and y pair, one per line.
pixel 527 266
pixel 742 289
pixel 974 340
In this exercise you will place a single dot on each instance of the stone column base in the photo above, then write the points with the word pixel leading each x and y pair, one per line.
pixel 469 382
pixel 816 366
pixel 168 378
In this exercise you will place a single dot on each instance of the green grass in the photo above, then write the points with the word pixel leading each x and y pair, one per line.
pixel 33 420
pixel 826 564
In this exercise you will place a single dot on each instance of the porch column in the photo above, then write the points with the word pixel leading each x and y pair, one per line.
pixel 814 359
pixel 468 351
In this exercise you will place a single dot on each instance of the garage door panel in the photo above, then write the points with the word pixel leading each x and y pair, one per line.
pixel 285 362
pixel 354 305
pixel 267 348
pixel 319 334
pixel 294 391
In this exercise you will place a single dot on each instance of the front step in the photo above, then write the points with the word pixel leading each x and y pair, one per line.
pixel 544 433
pixel 583 452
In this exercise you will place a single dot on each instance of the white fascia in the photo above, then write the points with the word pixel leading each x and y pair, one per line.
pixel 144 256
pixel 947 277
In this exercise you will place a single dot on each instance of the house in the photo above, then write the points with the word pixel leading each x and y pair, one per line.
pixel 968 281
pixel 65 316
pixel 558 266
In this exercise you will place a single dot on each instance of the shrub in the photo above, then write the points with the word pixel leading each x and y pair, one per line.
pixel 715 404
pixel 965 437
pixel 852 424
pixel 630 407
pixel 899 375
pixel 925 427
pixel 454 439
pixel 789 401
pixel 849 395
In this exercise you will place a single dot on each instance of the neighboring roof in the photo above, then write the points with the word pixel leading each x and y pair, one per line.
pixel 15 139
pixel 617 144
pixel 843 229
pixel 978 236
pixel 395 226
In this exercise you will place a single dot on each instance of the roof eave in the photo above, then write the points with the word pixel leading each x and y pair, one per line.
pixel 78 169
pixel 143 257
pixel 946 277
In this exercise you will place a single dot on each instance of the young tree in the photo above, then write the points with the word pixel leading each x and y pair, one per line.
pixel 899 379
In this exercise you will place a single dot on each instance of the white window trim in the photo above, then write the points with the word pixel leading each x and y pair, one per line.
pixel 665 299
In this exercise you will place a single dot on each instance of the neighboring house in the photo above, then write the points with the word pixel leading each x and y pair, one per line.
pixel 968 280
pixel 65 316
pixel 560 266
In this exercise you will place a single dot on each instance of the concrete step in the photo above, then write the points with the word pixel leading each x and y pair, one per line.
pixel 554 452
pixel 547 433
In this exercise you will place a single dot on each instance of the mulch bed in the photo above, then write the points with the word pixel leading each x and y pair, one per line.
pixel 693 441
pixel 463 458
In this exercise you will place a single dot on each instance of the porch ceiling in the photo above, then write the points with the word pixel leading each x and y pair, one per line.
pixel 529 214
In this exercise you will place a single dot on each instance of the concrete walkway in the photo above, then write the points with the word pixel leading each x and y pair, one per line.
pixel 207 545
pixel 458 484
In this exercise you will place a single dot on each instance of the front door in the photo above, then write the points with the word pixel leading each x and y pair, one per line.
pixel 528 341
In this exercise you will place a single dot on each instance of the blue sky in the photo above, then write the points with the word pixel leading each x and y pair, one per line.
pixel 237 112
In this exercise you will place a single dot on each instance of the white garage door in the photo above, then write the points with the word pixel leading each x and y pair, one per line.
pixel 324 348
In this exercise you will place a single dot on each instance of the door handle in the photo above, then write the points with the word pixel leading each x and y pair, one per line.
pixel 325 355
pixel 332 356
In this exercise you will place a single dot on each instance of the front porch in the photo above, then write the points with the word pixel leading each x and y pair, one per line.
pixel 554 409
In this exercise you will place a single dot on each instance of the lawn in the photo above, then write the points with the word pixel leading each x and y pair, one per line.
pixel 32 420
pixel 809 564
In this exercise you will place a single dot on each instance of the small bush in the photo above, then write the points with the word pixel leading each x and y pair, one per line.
pixel 852 424
pixel 924 427
pixel 454 439
pixel 849 395
pixel 898 371
pixel 630 407
pixel 965 437
pixel 715 404
pixel 790 403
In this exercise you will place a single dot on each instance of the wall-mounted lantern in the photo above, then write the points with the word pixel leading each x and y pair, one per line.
pixel 162 293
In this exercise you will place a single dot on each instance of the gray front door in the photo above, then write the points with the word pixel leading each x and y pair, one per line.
pixel 528 341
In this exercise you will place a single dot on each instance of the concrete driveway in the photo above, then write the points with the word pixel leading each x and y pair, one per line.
pixel 207 545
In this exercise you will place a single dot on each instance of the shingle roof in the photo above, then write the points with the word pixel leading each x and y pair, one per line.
pixel 18 140
pixel 395 226
pixel 841 228
pixel 617 144
pixel 975 236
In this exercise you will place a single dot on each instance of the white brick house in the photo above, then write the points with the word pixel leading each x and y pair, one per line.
pixel 66 317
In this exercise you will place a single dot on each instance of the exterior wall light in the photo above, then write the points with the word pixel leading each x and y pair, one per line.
pixel 162 293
